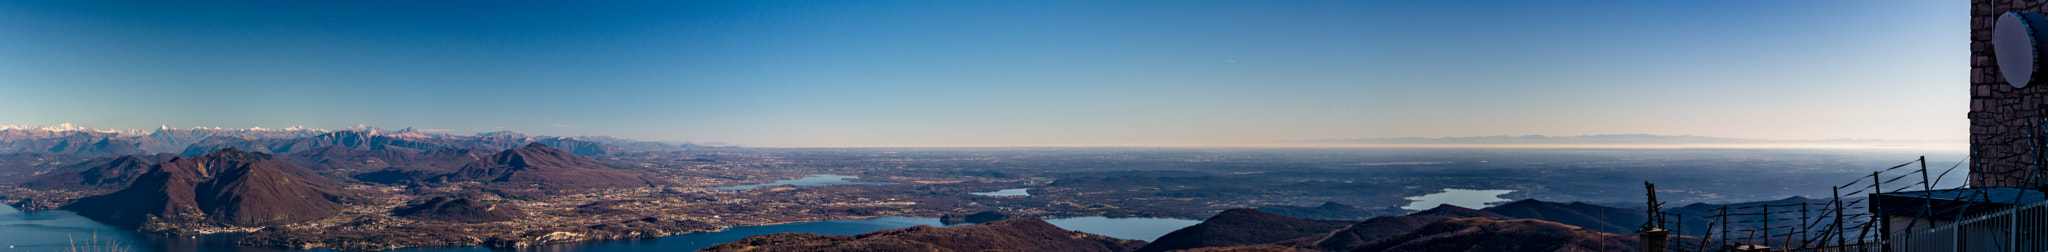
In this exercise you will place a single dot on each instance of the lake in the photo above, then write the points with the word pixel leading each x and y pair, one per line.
pixel 812 180
pixel 1474 199
pixel 1006 192
pixel 47 230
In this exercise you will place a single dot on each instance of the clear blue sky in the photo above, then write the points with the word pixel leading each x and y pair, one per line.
pixel 994 73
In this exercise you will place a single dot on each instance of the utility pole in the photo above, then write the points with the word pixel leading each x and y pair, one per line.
pixel 1653 236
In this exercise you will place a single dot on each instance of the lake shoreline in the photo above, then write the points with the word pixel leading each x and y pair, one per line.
pixel 686 241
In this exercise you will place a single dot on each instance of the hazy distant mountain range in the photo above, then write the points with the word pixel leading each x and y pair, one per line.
pixel 196 141
pixel 1619 139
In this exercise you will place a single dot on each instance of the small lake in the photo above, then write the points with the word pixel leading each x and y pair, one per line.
pixel 47 231
pixel 1006 192
pixel 812 180
pixel 1474 199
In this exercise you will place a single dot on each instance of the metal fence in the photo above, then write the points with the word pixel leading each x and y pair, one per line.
pixel 2022 228
pixel 1845 222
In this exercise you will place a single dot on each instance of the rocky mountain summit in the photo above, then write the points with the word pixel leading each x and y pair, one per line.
pixel 223 189
pixel 75 140
pixel 540 166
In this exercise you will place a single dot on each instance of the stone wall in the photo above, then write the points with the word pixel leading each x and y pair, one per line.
pixel 2005 122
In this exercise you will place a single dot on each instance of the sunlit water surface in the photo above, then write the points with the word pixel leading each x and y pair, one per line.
pixel 1006 192
pixel 812 180
pixel 1474 199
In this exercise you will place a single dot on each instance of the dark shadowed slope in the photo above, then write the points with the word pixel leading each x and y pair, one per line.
pixel 105 173
pixel 367 139
pixel 224 187
pixel 1243 226
pixel 343 158
pixel 1326 211
pixel 580 147
pixel 1389 226
pixel 21 166
pixel 458 210
pixel 413 172
pixel 1483 234
pixel 1250 248
pixel 1617 220
pixel 547 168
pixel 1024 234
pixel 83 143
pixel 90 145
pixel 341 162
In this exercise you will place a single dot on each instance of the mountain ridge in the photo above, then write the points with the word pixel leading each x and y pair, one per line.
pixel 71 139
pixel 224 188
pixel 539 166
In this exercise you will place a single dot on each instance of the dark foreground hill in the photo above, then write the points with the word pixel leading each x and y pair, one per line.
pixel 1389 226
pixel 1598 218
pixel 546 168
pixel 1445 228
pixel 1024 234
pixel 225 187
pixel 1483 234
pixel 1243 226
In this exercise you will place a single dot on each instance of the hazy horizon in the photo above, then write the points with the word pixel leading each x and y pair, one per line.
pixel 1037 73
pixel 1598 141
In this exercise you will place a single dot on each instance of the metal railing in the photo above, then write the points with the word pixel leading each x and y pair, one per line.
pixel 1844 223
pixel 2022 228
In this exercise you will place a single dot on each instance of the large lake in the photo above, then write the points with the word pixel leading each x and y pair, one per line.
pixel 47 231
pixel 812 180
pixel 1006 192
pixel 1474 199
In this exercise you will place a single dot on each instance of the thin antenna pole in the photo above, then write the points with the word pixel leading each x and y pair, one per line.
pixel 1655 211
pixel 1927 210
pixel 1876 187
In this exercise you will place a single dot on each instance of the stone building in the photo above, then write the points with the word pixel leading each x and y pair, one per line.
pixel 2008 121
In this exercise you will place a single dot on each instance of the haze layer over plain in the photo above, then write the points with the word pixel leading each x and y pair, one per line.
pixel 998 73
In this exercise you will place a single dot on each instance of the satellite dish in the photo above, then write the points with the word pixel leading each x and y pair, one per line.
pixel 2014 42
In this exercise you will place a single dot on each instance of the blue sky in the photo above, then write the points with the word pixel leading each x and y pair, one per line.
pixel 999 73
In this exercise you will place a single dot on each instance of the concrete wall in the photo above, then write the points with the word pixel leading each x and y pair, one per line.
pixel 2004 120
